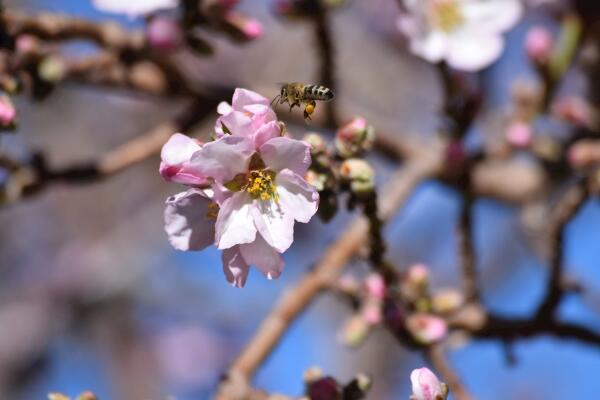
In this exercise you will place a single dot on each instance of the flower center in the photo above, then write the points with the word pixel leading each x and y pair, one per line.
pixel 261 185
pixel 445 15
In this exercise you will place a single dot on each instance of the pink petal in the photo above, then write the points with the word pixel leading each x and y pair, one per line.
pixel 236 123
pixel 234 223
pixel 234 267
pixel 224 108
pixel 284 153
pixel 179 149
pixel 425 385
pixel 245 97
pixel 296 197
pixel 187 222
pixel 432 46
pixel 223 158
pixel 265 133
pixel 263 257
pixel 275 226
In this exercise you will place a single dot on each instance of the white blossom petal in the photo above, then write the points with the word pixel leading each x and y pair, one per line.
pixel 235 267
pixel 234 222
pixel 296 197
pixel 284 153
pixel 262 256
pixel 468 51
pixel 492 16
pixel 187 221
pixel 275 226
pixel 224 158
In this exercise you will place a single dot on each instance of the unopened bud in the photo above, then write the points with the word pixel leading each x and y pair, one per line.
pixel 318 145
pixel 375 286
pixel 539 44
pixel 26 43
pixel 57 396
pixel 355 331
pixel 371 312
pixel 317 180
pixel 312 374
pixel 354 138
pixel 519 134
pixel 164 34
pixel 87 395
pixel 426 386
pixel 584 154
pixel 52 69
pixel 417 276
pixel 446 301
pixel 574 110
pixel 426 328
pixel 8 113
pixel 250 28
pixel 360 174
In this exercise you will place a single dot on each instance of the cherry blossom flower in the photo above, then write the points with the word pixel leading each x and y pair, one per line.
pixel 467 34
pixel 247 189
pixel 426 386
pixel 426 328
pixel 133 8
pixel 270 192
pixel 8 113
pixel 539 44
pixel 163 33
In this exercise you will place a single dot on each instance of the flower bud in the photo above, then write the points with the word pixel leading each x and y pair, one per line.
pixel 164 34
pixel 519 134
pixel 57 396
pixel 355 331
pixel 360 174
pixel 584 154
pixel 417 276
pixel 317 143
pixel 375 286
pixel 312 374
pixel 446 301
pixel 371 312
pixel 250 28
pixel 426 328
pixel 52 69
pixel 8 113
pixel 539 44
pixel 354 138
pixel 574 110
pixel 87 395
pixel 316 179
pixel 26 43
pixel 426 386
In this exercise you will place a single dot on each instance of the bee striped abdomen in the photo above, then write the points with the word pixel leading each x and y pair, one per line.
pixel 317 92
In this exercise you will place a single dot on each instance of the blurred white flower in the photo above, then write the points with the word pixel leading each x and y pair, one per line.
pixel 467 34
pixel 133 7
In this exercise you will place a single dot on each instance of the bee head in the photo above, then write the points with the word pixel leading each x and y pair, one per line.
pixel 284 92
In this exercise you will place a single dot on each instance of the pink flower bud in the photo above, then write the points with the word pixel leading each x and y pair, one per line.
pixel 574 110
pixel 371 313
pixel 426 386
pixel 8 113
pixel 354 138
pixel 375 286
pixel 584 154
pixel 519 134
pixel 250 28
pixel 164 34
pixel 348 283
pixel 316 141
pixel 426 328
pixel 539 44
pixel 417 275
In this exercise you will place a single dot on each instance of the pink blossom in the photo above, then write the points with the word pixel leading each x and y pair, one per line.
pixel 268 196
pixel 175 164
pixel 426 386
pixel 467 34
pixel 375 286
pixel 539 44
pixel 164 34
pixel 133 7
pixel 519 134
pixel 251 28
pixel 417 275
pixel 249 115
pixel 8 113
pixel 426 328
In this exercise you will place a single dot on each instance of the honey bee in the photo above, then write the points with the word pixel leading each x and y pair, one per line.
pixel 296 94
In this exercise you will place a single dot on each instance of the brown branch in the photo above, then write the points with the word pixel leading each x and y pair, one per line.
pixel 327 269
pixel 564 212
pixel 467 248
pixel 437 357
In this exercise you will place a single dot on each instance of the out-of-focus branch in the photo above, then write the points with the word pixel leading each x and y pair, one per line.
pixel 327 269
pixel 565 210
pixel 437 357
pixel 467 248
pixel 124 156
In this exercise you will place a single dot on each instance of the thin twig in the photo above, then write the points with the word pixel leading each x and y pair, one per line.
pixel 327 269
pixel 467 249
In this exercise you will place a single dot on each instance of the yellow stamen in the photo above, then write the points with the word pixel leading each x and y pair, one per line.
pixel 446 15
pixel 213 210
pixel 261 185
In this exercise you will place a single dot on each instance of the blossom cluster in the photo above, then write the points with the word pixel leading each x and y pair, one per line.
pixel 246 188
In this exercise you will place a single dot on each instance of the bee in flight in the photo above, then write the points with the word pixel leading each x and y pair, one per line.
pixel 296 94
